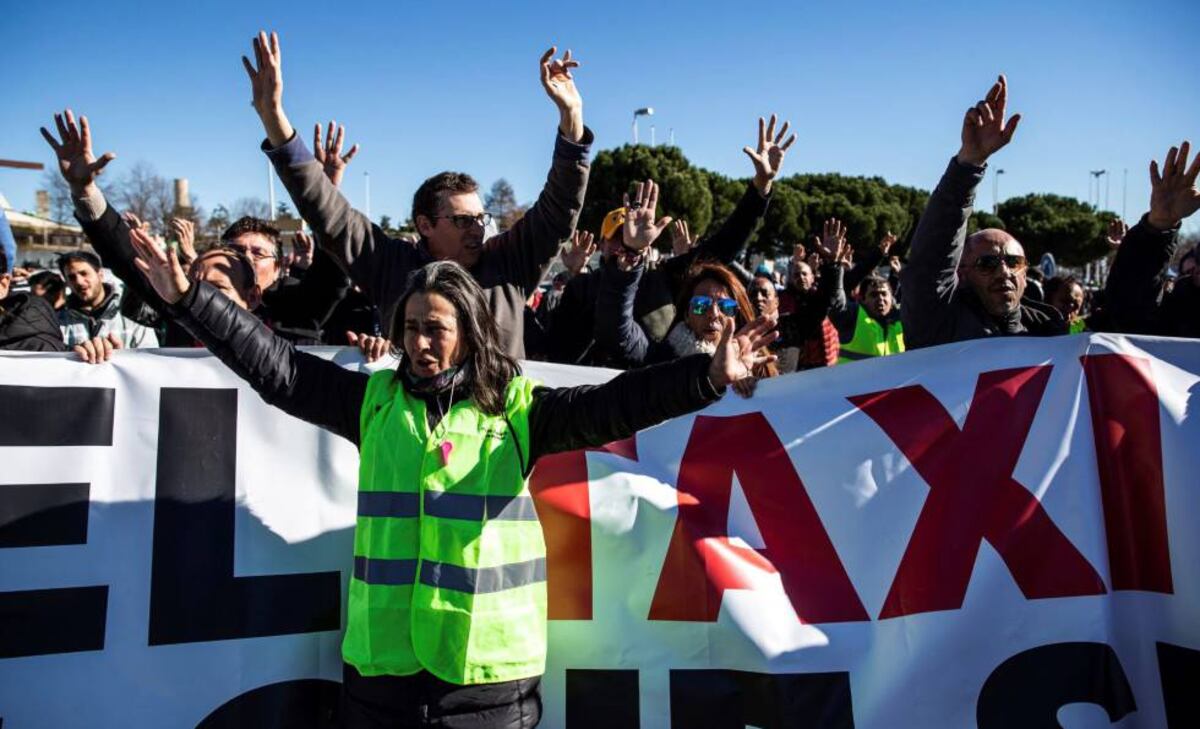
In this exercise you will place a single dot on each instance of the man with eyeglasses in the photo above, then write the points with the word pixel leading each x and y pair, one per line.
pixel 447 211
pixel 958 287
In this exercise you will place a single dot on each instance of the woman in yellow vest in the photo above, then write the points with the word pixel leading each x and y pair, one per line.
pixel 447 607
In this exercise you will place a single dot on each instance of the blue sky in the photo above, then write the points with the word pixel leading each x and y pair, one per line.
pixel 872 88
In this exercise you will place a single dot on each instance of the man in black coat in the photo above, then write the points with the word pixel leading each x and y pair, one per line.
pixel 27 321
pixel 1136 293
pixel 958 288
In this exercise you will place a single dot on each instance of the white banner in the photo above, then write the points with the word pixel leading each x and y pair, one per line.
pixel 994 533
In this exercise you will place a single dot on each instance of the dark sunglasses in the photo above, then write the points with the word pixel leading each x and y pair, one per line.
pixel 990 262
pixel 700 305
pixel 465 222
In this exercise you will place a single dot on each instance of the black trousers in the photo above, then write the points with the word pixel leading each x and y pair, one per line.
pixel 423 700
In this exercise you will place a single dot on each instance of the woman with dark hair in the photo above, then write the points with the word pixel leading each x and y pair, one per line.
pixel 711 300
pixel 447 608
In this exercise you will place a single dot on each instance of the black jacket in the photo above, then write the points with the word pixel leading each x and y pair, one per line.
pixel 571 338
pixel 29 324
pixel 324 394
pixel 296 309
pixel 937 308
pixel 1134 298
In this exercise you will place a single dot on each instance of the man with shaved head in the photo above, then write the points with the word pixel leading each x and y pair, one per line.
pixel 958 287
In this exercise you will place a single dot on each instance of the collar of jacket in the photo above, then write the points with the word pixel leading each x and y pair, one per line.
pixel 110 301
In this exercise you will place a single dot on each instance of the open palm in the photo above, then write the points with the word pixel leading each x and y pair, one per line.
pixel 79 167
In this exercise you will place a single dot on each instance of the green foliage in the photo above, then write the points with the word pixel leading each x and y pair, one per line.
pixel 683 189
pixel 1073 231
pixel 801 203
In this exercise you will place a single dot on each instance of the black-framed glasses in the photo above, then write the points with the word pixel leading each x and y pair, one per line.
pixel 700 305
pixel 254 254
pixel 990 262
pixel 465 222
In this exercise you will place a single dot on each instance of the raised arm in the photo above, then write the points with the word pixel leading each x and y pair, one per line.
pixel 522 252
pixel 1139 271
pixel 616 331
pixel 734 234
pixel 298 383
pixel 567 419
pixel 375 262
pixel 930 277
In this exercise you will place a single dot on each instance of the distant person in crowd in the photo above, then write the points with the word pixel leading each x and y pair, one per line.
pixel 437 630
pixel 571 330
pixel 27 321
pixel 869 327
pixel 51 287
pixel 807 337
pixel 295 309
pixel 1066 294
pixel 93 308
pixel 447 211
pixel 763 295
pixel 1136 302
pixel 958 288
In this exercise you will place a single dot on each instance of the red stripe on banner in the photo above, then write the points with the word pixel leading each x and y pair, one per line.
pixel 701 562
pixel 973 496
pixel 1124 404
pixel 559 485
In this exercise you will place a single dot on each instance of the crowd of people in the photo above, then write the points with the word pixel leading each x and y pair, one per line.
pixel 460 308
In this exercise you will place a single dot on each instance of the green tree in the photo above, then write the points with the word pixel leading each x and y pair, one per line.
pixel 683 189
pixel 1072 230
pixel 501 202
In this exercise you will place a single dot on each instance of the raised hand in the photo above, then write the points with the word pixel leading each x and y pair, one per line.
pixel 832 241
pixel 266 84
pixel 895 265
pixel 886 242
pixel 98 349
pixel 185 233
pixel 640 228
pixel 984 130
pixel 768 157
pixel 79 167
pixel 560 87
pixel 738 354
pixel 302 250
pixel 799 253
pixel 330 154
pixel 1173 193
pixel 681 238
pixel 161 269
pixel 372 348
pixel 576 256
pixel 1116 233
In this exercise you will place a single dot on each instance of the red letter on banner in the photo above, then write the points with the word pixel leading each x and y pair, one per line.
pixel 702 562
pixel 1124 403
pixel 973 495
pixel 559 485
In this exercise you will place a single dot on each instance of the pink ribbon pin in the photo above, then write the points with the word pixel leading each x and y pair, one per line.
pixel 447 446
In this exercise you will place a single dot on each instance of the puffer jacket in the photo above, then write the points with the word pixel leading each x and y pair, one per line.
pixel 28 324
pixel 79 325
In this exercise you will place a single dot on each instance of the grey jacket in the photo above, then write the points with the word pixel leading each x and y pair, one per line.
pixel 937 310
pixel 512 262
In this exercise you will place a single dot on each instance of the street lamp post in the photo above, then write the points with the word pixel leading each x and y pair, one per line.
pixel 996 192
pixel 644 111
pixel 367 185
pixel 1096 174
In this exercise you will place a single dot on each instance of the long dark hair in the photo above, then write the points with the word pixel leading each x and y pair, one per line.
pixel 489 367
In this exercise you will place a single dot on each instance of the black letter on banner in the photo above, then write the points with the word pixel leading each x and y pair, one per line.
pixel 1028 689
pixel 601 699
pixel 1177 669
pixel 61 620
pixel 194 596
pixel 722 699
pixel 308 703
